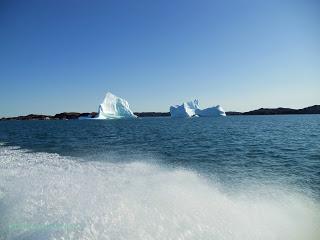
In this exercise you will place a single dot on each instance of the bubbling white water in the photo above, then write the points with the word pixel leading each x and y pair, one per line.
pixel 47 196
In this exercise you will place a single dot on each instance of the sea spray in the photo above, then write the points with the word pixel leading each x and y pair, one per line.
pixel 48 196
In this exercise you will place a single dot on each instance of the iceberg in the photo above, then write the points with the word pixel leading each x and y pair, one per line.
pixel 114 107
pixel 211 112
pixel 191 109
pixel 187 109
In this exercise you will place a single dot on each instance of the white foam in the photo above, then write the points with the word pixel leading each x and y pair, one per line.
pixel 48 196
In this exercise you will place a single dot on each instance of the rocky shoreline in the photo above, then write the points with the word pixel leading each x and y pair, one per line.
pixel 75 115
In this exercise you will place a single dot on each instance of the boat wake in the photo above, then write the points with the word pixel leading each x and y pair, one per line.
pixel 48 196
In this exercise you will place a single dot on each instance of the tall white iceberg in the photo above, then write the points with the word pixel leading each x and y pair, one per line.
pixel 191 109
pixel 114 107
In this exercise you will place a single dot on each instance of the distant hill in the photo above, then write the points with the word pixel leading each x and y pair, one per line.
pixel 277 111
pixel 310 110
pixel 152 114
pixel 261 111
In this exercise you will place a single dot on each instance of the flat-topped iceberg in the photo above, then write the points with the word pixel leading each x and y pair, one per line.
pixel 191 109
pixel 114 107
pixel 212 112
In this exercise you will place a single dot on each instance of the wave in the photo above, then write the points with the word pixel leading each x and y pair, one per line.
pixel 48 196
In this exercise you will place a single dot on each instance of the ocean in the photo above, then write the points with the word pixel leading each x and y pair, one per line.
pixel 235 177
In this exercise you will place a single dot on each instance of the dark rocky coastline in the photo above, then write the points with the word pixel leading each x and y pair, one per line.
pixel 75 115
pixel 152 114
pixel 277 111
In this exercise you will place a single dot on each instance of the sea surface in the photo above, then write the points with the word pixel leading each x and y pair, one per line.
pixel 238 177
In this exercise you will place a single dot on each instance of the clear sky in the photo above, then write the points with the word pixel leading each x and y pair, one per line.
pixel 64 55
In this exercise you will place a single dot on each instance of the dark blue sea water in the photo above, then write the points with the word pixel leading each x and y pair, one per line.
pixel 238 177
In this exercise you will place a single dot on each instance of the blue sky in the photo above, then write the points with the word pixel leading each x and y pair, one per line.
pixel 64 55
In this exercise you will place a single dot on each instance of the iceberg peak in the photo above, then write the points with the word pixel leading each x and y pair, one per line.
pixel 187 109
pixel 191 109
pixel 113 107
